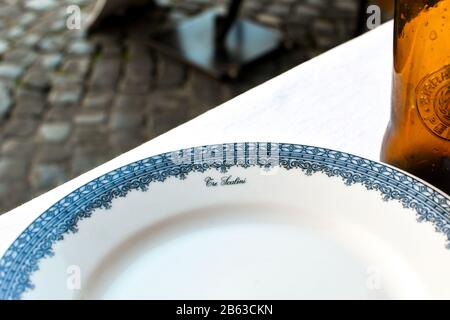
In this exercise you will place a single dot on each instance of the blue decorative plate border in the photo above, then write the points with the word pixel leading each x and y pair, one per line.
pixel 35 243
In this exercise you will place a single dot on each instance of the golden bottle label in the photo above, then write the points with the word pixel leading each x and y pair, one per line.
pixel 433 102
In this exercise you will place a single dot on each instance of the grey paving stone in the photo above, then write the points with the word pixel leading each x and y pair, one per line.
pixel 254 5
pixel 177 16
pixel 324 27
pixel 29 105
pixel 40 5
pixel 168 100
pixel 83 163
pixel 125 120
pixel 81 47
pixel 48 175
pixel 170 73
pixel 4 46
pixel 18 127
pixel 207 92
pixel 270 20
pixel 110 46
pixel 10 71
pixel 87 158
pixel 38 192
pixel 51 61
pixel 111 51
pixel 77 34
pixel 56 132
pixel 79 2
pixel 65 97
pixel 13 168
pixel 23 93
pixel 349 6
pixel 132 103
pixel 5 101
pixel 29 40
pixel 105 74
pixel 58 113
pixel 21 57
pixel 322 4
pixel 164 120
pixel 130 87
pixel 138 77
pixel 13 193
pixel 165 111
pixel 126 139
pixel 76 66
pixel 14 33
pixel 52 44
pixel 37 78
pixel 90 137
pixel 52 153
pixel 138 53
pixel 98 100
pixel 279 9
pixel 58 26
pixel 29 108
pixel 65 81
pixel 306 12
pixel 91 118
pixel 7 11
pixel 10 85
pixel 27 19
pixel 189 7
pixel 18 147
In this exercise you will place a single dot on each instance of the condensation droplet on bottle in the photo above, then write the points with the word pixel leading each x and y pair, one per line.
pixel 433 35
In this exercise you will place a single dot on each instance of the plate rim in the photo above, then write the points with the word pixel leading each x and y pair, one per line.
pixel 15 277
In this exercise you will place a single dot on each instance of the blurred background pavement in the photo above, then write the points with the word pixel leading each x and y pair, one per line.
pixel 69 102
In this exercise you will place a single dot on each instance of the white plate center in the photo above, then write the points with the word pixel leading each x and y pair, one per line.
pixel 245 252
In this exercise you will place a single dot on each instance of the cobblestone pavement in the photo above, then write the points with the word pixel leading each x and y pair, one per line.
pixel 69 102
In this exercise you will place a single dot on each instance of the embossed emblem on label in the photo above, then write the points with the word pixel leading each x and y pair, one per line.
pixel 433 102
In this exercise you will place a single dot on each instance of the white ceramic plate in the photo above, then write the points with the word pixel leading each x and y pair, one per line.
pixel 238 221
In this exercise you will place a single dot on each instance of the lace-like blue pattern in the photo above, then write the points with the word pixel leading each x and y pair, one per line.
pixel 22 259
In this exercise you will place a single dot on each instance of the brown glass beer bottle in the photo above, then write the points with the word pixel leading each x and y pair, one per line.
pixel 418 136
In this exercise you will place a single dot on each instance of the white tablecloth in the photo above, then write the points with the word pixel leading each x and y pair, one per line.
pixel 339 100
